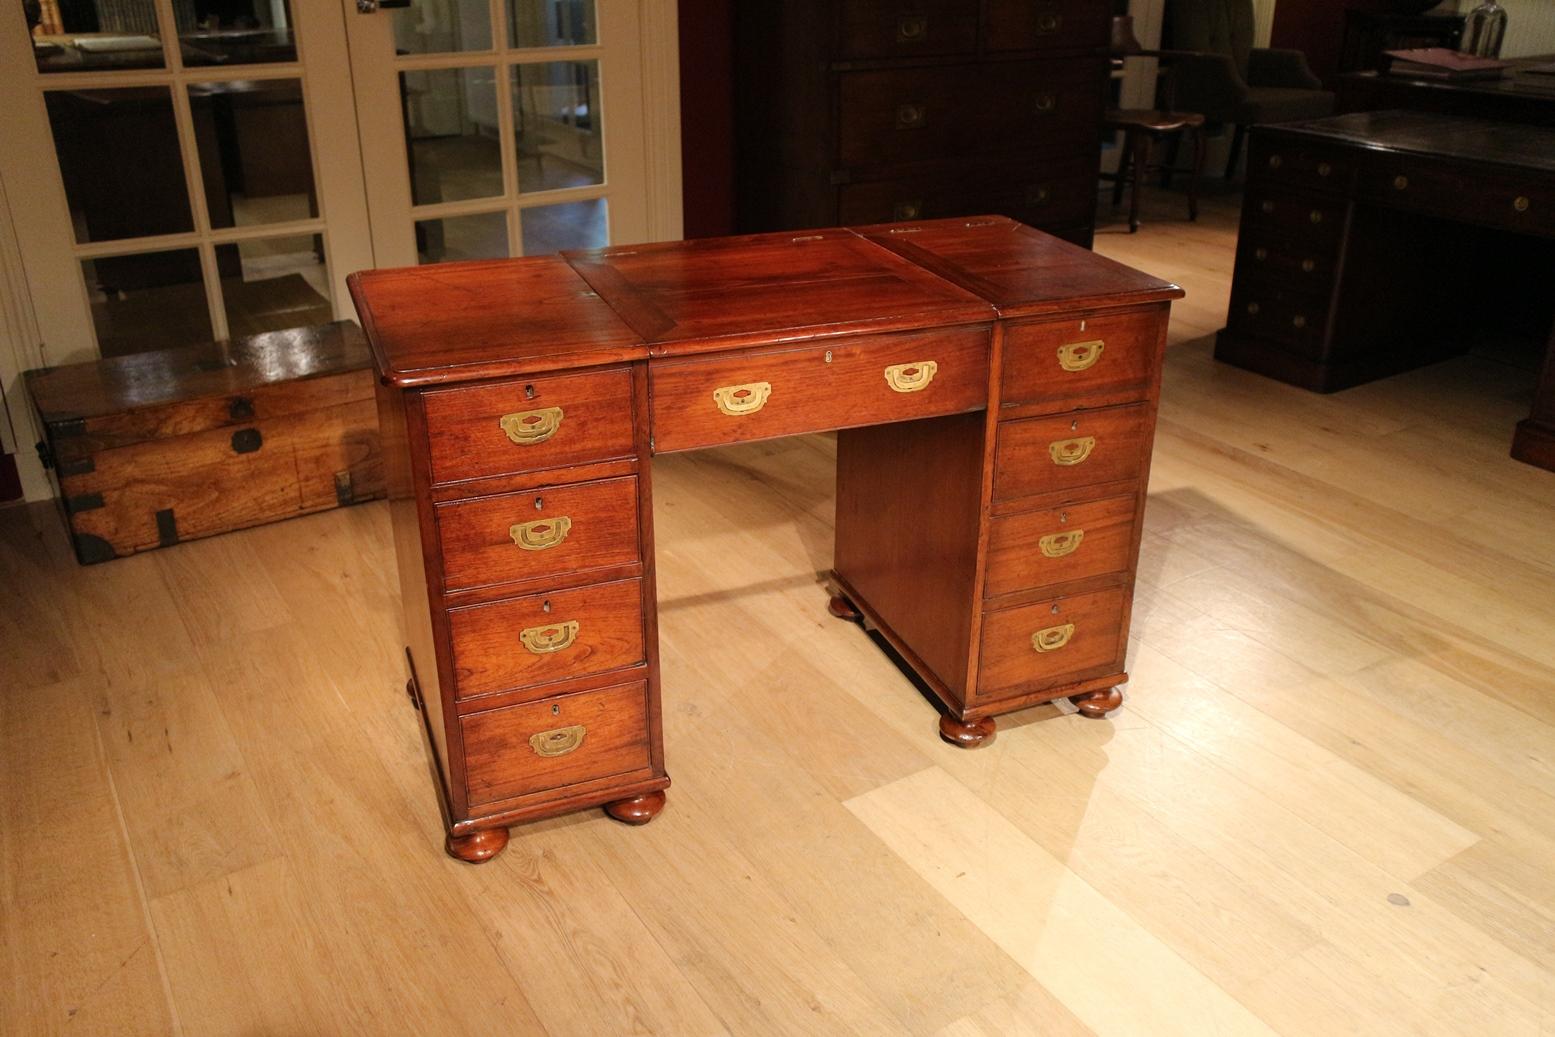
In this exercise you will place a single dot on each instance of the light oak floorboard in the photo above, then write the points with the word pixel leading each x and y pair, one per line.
pixel 1327 806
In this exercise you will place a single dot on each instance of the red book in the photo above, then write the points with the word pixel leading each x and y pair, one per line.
pixel 1442 63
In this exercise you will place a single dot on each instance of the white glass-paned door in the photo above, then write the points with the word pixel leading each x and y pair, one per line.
pixel 498 128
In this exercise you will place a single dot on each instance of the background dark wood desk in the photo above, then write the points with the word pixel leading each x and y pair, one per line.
pixel 1517 97
pixel 1377 242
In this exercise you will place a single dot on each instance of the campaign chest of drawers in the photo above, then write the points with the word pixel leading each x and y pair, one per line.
pixel 995 392
pixel 865 111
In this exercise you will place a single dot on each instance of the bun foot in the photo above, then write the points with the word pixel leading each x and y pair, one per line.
pixel 1098 703
pixel 638 810
pixel 967 734
pixel 842 608
pixel 477 847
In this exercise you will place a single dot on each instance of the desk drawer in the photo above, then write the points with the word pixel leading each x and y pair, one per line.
pixel 1314 221
pixel 1273 259
pixel 1466 195
pixel 897 29
pixel 1300 164
pixel 546 637
pixel 891 116
pixel 1047 25
pixel 1265 309
pixel 1058 360
pixel 555 742
pixel 1045 192
pixel 528 424
pixel 1068 451
pixel 520 536
pixel 1079 637
pixel 1075 542
pixel 838 383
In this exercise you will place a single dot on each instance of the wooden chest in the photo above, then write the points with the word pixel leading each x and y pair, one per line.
pixel 154 448
pixel 866 111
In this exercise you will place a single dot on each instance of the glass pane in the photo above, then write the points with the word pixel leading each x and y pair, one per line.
pixel 155 300
pixel 274 283
pixel 252 136
pixel 557 125
pixel 484 236
pixel 551 228
pixel 451 133
pixel 74 36
pixel 234 32
pixel 552 23
pixel 120 161
pixel 440 26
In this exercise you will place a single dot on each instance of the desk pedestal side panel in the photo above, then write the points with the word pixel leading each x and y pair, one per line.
pixel 536 671
pixel 996 552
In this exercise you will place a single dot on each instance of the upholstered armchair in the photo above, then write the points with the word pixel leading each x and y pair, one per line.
pixel 1217 71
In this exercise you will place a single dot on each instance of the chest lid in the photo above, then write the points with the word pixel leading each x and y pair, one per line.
pixel 114 402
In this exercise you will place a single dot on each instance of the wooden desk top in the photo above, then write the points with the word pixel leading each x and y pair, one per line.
pixel 1514 84
pixel 1426 133
pixel 457 322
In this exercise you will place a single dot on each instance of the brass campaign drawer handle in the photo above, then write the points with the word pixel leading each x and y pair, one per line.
pixel 541 533
pixel 529 427
pixel 1052 638
pixel 559 742
pixel 1080 356
pixel 911 377
pixel 1071 451
pixel 554 637
pixel 736 400
pixel 1056 545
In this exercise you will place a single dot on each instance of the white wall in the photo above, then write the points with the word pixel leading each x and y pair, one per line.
pixel 1530 26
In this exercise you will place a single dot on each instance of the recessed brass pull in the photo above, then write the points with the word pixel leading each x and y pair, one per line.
pixel 736 400
pixel 529 427
pixel 1071 451
pixel 559 742
pixel 1078 356
pixel 911 377
pixel 1052 639
pixel 547 639
pixel 541 533
pixel 1056 545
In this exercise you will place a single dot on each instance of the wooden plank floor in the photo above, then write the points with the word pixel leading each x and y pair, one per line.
pixel 1327 807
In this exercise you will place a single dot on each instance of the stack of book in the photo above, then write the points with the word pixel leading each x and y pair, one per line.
pixel 1440 63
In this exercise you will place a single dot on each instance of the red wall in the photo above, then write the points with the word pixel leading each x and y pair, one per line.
pixel 707 116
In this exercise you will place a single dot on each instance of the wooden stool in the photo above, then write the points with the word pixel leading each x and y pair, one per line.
pixel 1141 129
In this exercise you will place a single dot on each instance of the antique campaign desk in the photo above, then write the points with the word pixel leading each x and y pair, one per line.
pixel 996 389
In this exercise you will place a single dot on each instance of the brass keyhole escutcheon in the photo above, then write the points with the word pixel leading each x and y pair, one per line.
pixel 529 392
pixel 539 503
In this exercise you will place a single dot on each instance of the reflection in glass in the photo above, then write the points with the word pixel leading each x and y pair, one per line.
pixel 154 300
pixel 252 136
pixel 73 36
pixel 557 125
pixel 441 26
pixel 234 32
pixel 552 23
pixel 120 161
pixel 482 236
pixel 451 133
pixel 551 228
pixel 273 283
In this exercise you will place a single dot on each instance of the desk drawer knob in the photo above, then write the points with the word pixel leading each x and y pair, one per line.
pixel 1401 183
pixel 1316 216
pixel 911 377
pixel 1049 22
pixel 1520 203
pixel 1275 161
pixel 1056 545
pixel 528 427
pixel 736 400
pixel 1052 639
pixel 907 210
pixel 1268 208
pixel 1260 254
pixel 1253 309
pixel 541 533
pixel 559 742
pixel 1047 101
pixel 910 116
pixel 1308 265
pixel 1067 452
pixel 1298 321
pixel 912 29
pixel 547 639
pixel 1324 169
pixel 1079 356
